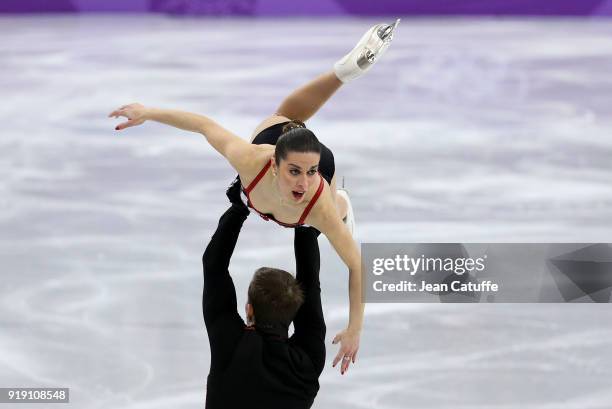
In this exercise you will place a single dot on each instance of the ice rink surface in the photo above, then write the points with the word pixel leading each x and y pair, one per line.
pixel 468 130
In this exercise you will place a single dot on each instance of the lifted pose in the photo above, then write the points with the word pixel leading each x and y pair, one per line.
pixel 286 174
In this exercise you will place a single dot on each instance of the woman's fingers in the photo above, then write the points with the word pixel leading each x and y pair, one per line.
pixel 124 125
pixel 346 361
pixel 117 113
pixel 128 124
pixel 124 110
pixel 338 357
pixel 344 356
pixel 131 112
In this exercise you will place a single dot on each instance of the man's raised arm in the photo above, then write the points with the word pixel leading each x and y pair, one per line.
pixel 309 323
pixel 219 298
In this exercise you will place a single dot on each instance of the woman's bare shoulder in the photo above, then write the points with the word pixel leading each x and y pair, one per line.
pixel 260 155
pixel 323 214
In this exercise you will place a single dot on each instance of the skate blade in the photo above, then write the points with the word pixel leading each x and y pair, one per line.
pixel 385 33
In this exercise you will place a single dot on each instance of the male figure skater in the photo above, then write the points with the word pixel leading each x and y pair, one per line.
pixel 257 365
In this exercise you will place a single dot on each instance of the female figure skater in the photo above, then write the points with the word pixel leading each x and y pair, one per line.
pixel 286 174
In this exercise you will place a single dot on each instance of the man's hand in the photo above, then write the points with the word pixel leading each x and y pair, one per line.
pixel 349 345
pixel 135 113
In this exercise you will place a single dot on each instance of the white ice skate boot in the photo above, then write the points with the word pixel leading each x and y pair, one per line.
pixel 368 50
pixel 349 220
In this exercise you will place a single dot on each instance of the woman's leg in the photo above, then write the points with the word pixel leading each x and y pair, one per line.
pixel 305 101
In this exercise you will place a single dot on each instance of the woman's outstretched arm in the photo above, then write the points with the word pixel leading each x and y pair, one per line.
pixel 327 220
pixel 235 149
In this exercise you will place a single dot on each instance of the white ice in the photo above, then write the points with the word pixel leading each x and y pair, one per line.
pixel 468 130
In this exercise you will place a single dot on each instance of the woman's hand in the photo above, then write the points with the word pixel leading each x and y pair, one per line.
pixel 349 345
pixel 135 113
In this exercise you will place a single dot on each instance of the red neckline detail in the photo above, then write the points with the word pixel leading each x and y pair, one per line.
pixel 265 216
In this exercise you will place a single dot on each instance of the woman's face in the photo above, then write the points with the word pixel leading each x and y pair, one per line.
pixel 296 174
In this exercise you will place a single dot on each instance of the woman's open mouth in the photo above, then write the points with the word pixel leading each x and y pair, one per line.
pixel 297 195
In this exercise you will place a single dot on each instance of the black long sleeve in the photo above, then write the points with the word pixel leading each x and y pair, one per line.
pixel 309 323
pixel 223 323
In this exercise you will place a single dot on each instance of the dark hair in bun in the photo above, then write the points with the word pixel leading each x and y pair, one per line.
pixel 292 125
pixel 296 138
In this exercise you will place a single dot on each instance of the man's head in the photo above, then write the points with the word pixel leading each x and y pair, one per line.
pixel 274 297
